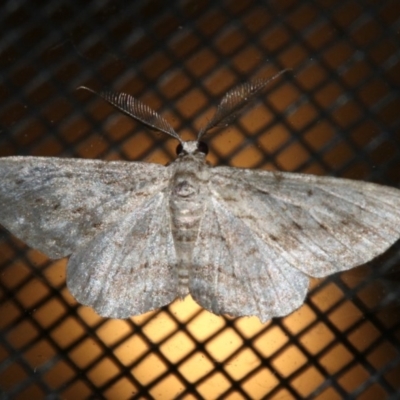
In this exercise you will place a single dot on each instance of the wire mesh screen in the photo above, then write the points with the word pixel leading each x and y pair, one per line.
pixel 336 113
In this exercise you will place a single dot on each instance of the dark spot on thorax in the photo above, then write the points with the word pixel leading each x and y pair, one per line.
pixel 184 189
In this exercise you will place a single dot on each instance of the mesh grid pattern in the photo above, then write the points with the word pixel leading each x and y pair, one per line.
pixel 336 113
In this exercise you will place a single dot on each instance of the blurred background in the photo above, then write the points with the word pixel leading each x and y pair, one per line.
pixel 336 113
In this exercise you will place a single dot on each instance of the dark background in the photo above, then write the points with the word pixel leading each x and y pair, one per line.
pixel 336 113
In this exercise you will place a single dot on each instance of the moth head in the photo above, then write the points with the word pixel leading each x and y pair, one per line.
pixel 191 147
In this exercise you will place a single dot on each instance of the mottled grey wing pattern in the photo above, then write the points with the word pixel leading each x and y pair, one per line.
pixel 56 205
pixel 280 226
pixel 234 272
pixel 321 225
pixel 130 268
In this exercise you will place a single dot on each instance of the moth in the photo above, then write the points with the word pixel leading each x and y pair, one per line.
pixel 241 242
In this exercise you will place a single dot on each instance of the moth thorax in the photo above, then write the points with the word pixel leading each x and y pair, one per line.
pixel 185 189
pixel 186 204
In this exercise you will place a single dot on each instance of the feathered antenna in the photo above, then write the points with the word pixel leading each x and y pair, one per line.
pixel 137 110
pixel 231 105
pixel 235 101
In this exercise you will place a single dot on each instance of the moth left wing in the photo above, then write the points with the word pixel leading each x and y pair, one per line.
pixel 56 205
pixel 321 224
pixel 263 232
pixel 234 272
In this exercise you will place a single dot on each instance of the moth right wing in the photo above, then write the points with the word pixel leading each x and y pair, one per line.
pixel 129 268
pixel 56 205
